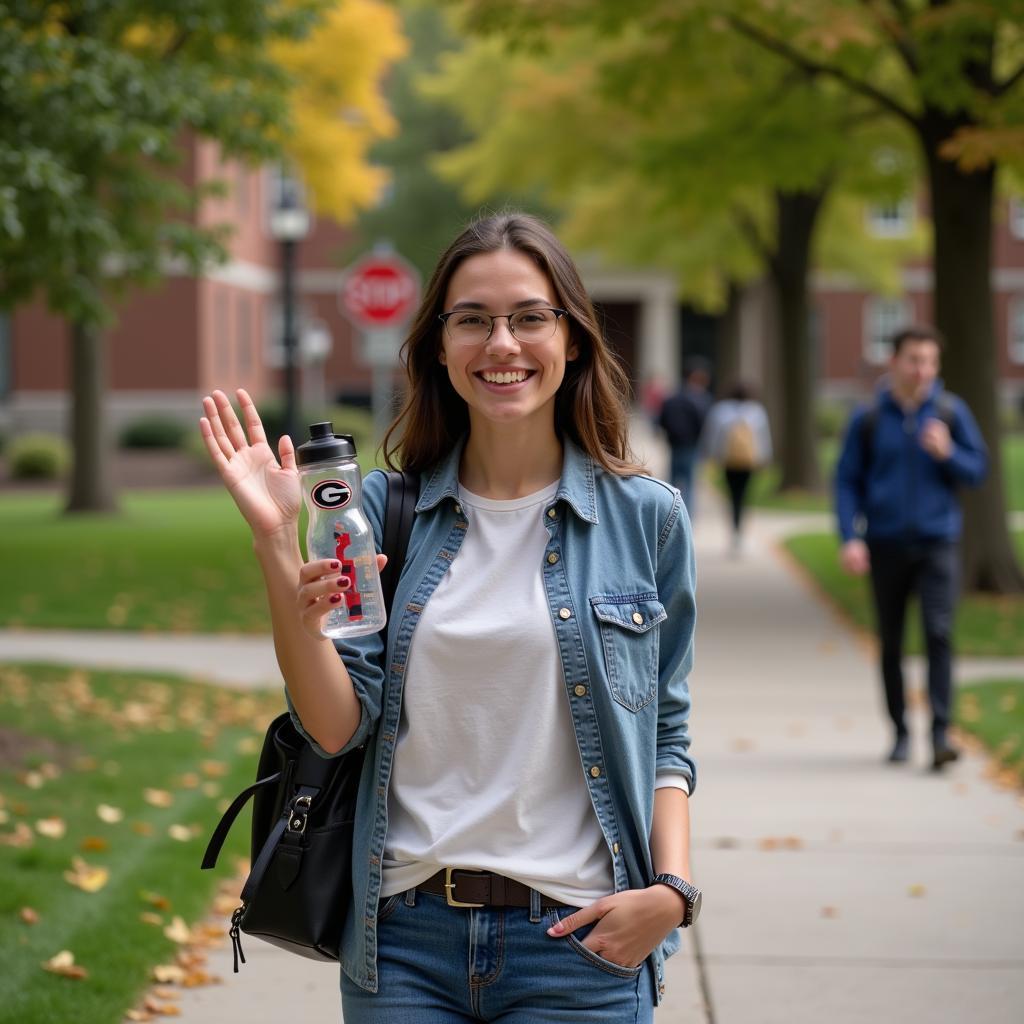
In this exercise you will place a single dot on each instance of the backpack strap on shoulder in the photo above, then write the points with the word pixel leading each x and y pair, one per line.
pixel 399 513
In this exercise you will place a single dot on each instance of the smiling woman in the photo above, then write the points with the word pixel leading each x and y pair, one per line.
pixel 534 864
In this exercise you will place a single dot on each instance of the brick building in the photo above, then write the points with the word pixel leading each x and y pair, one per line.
pixel 176 342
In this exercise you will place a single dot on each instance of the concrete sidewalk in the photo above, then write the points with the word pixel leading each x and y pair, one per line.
pixel 837 888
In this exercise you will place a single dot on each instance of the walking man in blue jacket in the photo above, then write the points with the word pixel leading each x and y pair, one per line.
pixel 903 458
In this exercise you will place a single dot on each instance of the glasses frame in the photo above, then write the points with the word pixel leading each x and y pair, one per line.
pixel 559 313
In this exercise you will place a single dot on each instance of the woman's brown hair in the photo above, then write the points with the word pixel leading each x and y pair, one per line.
pixel 590 404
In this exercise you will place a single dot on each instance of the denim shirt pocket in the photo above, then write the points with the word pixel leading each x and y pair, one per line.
pixel 629 637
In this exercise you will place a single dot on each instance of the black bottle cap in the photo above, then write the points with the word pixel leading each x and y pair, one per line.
pixel 325 446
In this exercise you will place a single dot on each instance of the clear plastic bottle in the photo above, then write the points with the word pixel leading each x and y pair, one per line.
pixel 338 529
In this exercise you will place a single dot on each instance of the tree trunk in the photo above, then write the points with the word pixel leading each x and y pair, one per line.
pixel 91 488
pixel 727 341
pixel 962 216
pixel 796 214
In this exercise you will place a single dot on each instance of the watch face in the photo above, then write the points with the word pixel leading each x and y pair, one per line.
pixel 693 907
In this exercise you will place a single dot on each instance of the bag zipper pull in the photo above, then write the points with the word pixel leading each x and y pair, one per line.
pixel 236 935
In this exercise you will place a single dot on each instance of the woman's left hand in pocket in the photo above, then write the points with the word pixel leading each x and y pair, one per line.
pixel 630 924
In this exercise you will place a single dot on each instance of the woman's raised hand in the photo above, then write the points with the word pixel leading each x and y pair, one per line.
pixel 267 494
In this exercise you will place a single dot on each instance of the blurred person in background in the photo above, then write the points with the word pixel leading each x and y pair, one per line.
pixel 903 457
pixel 682 418
pixel 737 437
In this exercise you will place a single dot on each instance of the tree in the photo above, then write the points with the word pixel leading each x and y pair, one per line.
pixel 95 99
pixel 951 71
pixel 654 160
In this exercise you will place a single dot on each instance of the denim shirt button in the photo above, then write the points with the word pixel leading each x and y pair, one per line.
pixel 580 691
pixel 564 613
pixel 638 618
pixel 615 849
pixel 552 512
pixel 552 558
pixel 595 772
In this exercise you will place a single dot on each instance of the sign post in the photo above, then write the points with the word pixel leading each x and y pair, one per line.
pixel 379 294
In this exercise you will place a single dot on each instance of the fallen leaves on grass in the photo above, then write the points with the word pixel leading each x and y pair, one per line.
pixel 29 915
pixel 52 828
pixel 154 899
pixel 64 965
pixel 21 837
pixel 179 932
pixel 94 844
pixel 87 877
pixel 109 815
pixel 151 917
pixel 214 769
pixel 158 797
pixel 169 974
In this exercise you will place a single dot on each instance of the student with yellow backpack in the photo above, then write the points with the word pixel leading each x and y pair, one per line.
pixel 737 437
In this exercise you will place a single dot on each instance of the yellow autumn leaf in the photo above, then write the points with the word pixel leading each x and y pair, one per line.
pixel 29 915
pixel 108 814
pixel 169 974
pixel 21 837
pixel 52 828
pixel 64 964
pixel 178 931
pixel 215 769
pixel 154 899
pixel 150 917
pixel 180 833
pixel 158 797
pixel 86 877
pixel 94 844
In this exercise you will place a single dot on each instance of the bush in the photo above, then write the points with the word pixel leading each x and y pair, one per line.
pixel 347 419
pixel 830 419
pixel 153 432
pixel 38 457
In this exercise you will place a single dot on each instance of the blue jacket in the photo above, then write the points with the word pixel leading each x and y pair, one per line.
pixel 621 594
pixel 896 490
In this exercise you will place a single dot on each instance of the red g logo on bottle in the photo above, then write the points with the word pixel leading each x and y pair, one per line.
pixel 331 494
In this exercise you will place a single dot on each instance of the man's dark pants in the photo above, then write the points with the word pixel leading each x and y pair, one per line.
pixel 930 568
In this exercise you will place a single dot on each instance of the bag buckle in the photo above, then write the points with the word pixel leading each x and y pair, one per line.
pixel 449 885
pixel 297 822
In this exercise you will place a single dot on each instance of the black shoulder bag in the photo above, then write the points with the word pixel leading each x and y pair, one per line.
pixel 300 884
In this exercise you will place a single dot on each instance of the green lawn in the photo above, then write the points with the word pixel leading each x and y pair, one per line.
pixel 172 560
pixel 764 493
pixel 984 625
pixel 73 740
pixel 994 712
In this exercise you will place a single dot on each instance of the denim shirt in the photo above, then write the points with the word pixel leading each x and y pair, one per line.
pixel 619 577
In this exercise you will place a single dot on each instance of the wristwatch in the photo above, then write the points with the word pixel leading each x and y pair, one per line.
pixel 690 893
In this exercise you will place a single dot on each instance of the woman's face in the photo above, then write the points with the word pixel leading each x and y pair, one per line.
pixel 505 281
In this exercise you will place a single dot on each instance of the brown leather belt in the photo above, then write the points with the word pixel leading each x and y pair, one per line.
pixel 464 888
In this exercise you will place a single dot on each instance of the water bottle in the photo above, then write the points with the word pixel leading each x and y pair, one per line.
pixel 332 489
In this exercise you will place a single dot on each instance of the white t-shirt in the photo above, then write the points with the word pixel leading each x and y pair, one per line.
pixel 487 771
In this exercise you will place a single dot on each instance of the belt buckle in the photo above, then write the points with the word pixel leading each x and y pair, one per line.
pixel 449 885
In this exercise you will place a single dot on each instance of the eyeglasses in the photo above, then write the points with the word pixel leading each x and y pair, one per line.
pixel 529 326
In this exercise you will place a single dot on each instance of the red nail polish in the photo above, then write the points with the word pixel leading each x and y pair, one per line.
pixel 335 598
pixel 334 565
pixel 343 582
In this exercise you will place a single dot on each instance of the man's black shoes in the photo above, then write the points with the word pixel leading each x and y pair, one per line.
pixel 900 750
pixel 942 755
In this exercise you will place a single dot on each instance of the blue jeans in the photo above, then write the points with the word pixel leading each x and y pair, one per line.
pixel 449 965
pixel 682 471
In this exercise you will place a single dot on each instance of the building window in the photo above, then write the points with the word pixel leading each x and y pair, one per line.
pixel 5 356
pixel 244 347
pixel 882 319
pixel 1017 217
pixel 1015 330
pixel 221 337
pixel 892 219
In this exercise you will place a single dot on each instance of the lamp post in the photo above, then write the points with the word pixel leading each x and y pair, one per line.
pixel 289 224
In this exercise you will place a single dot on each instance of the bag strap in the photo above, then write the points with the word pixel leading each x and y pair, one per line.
pixel 399 513
pixel 220 833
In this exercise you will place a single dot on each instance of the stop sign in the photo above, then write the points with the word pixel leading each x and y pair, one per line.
pixel 380 290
